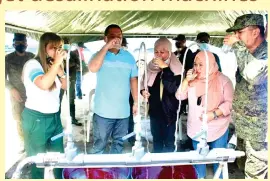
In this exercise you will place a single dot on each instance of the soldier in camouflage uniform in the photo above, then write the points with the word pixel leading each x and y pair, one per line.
pixel 14 63
pixel 250 104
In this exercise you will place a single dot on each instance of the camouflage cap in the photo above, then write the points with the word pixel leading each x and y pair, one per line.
pixel 247 20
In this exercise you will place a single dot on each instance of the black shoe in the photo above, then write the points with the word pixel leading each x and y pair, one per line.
pixel 131 141
pixel 75 122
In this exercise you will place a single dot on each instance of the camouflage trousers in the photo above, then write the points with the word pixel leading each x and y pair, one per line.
pixel 255 163
pixel 17 109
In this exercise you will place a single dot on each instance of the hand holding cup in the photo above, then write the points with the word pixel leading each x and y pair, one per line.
pixel 191 75
pixel 116 43
pixel 113 43
pixel 59 56
pixel 230 39
pixel 158 62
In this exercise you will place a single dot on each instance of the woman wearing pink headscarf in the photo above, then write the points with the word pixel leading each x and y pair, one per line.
pixel 163 80
pixel 219 104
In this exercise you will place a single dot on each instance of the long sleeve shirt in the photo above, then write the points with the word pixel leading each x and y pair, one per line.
pixel 217 127
pixel 162 102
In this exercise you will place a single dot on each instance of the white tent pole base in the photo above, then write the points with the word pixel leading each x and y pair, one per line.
pixel 225 171
pixel 48 173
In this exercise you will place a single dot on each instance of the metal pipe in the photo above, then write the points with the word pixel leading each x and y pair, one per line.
pixel 91 93
pixel 202 146
pixel 137 149
pixel 128 136
pixel 70 150
pixel 177 123
pixel 206 88
pixel 81 80
pixel 59 160
pixel 218 171
pixel 225 172
pixel 146 89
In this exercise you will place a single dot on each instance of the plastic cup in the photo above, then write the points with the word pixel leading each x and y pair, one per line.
pixel 117 45
pixel 226 48
pixel 156 58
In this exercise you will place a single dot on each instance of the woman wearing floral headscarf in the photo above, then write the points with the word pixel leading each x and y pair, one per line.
pixel 219 103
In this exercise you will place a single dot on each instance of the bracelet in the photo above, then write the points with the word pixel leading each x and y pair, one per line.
pixel 135 103
pixel 62 77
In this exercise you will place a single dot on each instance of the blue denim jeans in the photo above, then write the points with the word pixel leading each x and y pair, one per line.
pixel 103 128
pixel 78 84
pixel 219 143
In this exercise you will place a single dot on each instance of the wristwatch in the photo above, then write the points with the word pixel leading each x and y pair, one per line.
pixel 215 115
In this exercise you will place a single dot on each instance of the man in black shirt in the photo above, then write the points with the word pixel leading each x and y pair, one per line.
pixel 180 44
